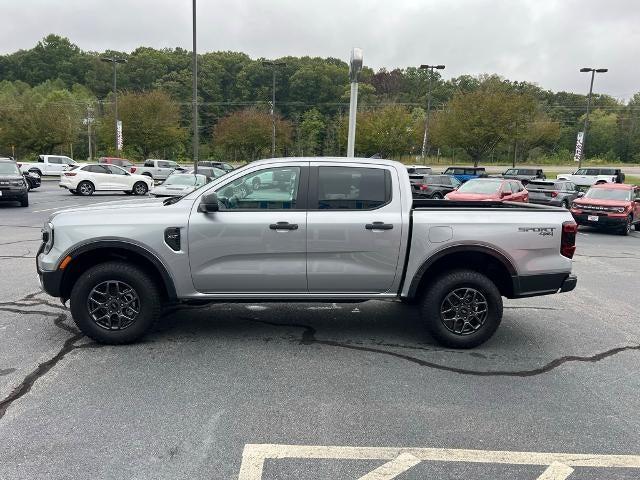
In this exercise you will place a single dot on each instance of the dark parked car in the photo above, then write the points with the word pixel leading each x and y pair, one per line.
pixel 433 186
pixel 211 163
pixel 525 175
pixel 558 193
pixel 33 180
pixel 466 173
pixel 13 186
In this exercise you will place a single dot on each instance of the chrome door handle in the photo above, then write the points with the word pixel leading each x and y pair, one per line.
pixel 378 226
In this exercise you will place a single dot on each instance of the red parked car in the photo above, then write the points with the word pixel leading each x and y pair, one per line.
pixel 496 189
pixel 613 206
pixel 121 162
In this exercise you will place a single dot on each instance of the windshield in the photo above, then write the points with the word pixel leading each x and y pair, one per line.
pixel 9 168
pixel 188 180
pixel 608 194
pixel 480 186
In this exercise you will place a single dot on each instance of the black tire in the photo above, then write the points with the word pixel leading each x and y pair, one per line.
pixel 145 290
pixel 637 227
pixel 480 290
pixel 255 183
pixel 140 188
pixel 85 188
pixel 437 196
pixel 566 204
pixel 24 202
pixel 626 230
pixel 36 171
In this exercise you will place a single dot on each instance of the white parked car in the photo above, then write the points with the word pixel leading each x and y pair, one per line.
pixel 100 177
pixel 585 177
pixel 49 165
pixel 179 184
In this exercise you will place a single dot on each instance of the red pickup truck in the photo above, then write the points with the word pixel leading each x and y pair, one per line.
pixel 610 205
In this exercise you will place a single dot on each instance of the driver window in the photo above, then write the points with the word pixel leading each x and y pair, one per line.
pixel 115 170
pixel 268 189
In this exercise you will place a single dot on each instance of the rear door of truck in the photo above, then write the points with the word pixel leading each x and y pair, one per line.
pixel 354 227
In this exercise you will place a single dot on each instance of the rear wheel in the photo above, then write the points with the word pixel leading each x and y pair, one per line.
pixel 115 303
pixel 85 188
pixel 565 204
pixel 462 309
pixel 140 188
pixel 437 196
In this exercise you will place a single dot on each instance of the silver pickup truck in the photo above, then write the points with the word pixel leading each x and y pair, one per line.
pixel 341 230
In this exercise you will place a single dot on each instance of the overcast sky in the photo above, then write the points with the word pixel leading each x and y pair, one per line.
pixel 542 41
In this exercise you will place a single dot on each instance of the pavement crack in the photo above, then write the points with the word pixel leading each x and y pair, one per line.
pixel 309 338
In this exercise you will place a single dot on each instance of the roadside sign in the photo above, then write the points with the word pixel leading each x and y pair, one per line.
pixel 579 146
pixel 119 134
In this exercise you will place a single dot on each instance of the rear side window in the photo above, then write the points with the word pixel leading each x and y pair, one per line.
pixel 148 163
pixel 353 188
pixel 95 169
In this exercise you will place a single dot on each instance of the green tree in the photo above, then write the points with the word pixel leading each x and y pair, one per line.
pixel 246 135
pixel 150 124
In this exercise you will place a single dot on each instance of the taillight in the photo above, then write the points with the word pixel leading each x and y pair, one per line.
pixel 69 174
pixel 132 170
pixel 554 194
pixel 568 239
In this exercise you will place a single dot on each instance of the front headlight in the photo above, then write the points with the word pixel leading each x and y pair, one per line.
pixel 47 237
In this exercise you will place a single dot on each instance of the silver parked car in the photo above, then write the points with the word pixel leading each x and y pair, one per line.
pixel 558 193
pixel 179 184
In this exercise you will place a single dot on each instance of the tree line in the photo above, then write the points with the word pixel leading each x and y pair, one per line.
pixel 57 98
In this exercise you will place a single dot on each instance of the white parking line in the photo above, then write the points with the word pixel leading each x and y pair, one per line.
pixel 392 469
pixel 254 456
pixel 556 471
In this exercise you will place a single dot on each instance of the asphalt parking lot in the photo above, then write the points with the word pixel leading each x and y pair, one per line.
pixel 553 395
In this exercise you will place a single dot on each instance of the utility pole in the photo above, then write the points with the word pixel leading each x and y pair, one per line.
pixel 355 65
pixel 89 120
pixel 194 75
pixel 273 65
pixel 425 138
pixel 586 118
pixel 115 60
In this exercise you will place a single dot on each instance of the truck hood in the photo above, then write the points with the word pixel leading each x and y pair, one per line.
pixel 601 202
pixel 113 208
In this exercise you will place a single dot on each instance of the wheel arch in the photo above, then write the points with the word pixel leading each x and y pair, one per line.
pixel 102 251
pixel 483 259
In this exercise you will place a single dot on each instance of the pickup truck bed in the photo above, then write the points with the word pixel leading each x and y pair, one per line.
pixel 339 230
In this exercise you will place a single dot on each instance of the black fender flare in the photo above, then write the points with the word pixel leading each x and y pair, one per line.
pixel 460 248
pixel 151 257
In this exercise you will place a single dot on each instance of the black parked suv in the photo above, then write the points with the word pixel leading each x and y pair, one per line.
pixel 433 186
pixel 13 186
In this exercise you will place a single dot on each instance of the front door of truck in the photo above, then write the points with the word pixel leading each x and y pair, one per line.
pixel 256 242
pixel 354 228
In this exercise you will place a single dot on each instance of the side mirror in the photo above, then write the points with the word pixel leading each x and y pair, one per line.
pixel 209 203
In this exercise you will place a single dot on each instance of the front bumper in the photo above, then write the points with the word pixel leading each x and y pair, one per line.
pixel 546 284
pixel 51 282
pixel 604 221
pixel 10 194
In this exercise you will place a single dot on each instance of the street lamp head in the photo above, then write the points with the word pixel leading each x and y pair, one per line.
pixel 586 69
pixel 355 63
pixel 602 70
pixel 113 60
pixel 439 67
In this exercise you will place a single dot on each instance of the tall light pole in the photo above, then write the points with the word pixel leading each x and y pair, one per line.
pixel 586 118
pixel 355 65
pixel 273 66
pixel 425 138
pixel 115 60
pixel 194 75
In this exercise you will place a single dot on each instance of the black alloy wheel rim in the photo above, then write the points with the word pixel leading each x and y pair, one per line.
pixel 464 311
pixel 85 189
pixel 140 189
pixel 113 305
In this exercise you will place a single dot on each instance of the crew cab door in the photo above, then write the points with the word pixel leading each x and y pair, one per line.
pixel 354 228
pixel 256 242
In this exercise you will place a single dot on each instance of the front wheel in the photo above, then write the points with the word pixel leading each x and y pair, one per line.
pixel 462 309
pixel 437 196
pixel 626 230
pixel 115 303
pixel 140 188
